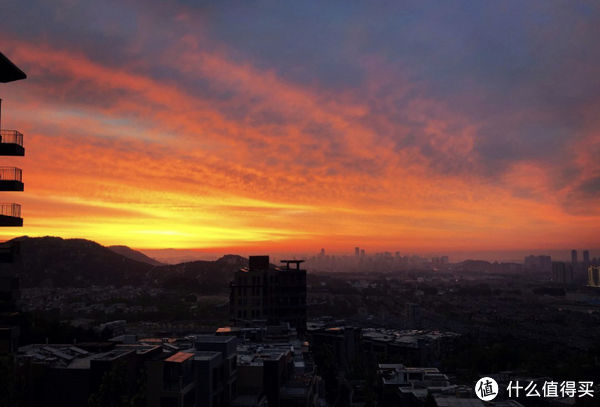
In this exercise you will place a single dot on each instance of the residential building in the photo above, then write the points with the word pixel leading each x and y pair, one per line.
pixel 11 144
pixel 282 374
pixel 273 295
pixel 594 276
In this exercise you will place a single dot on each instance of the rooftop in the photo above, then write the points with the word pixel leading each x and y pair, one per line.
pixel 179 357
pixel 206 355
pixel 405 337
pixel 214 339
pixel 68 356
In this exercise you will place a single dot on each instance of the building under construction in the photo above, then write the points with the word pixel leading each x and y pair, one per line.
pixel 275 295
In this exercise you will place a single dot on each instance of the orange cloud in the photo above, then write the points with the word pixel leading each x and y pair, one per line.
pixel 121 157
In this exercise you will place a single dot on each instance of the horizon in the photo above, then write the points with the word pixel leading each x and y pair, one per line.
pixel 439 128
pixel 183 255
pixel 171 255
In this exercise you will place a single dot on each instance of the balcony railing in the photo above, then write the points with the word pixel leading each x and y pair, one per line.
pixel 11 137
pixel 10 209
pixel 11 174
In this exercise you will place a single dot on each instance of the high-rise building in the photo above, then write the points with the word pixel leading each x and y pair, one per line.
pixel 11 144
pixel 586 257
pixel 357 251
pixel 574 257
pixel 594 276
pixel 275 295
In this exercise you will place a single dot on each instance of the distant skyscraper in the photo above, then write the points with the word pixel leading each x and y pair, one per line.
pixel 362 252
pixel 586 256
pixel 322 253
pixel 357 251
pixel 573 256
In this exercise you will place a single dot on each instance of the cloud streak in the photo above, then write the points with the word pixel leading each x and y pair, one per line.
pixel 470 126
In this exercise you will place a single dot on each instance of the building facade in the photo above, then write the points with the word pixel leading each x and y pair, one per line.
pixel 594 276
pixel 271 294
pixel 11 144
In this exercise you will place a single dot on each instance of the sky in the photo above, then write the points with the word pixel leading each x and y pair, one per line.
pixel 291 126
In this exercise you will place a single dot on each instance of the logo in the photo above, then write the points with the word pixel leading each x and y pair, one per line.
pixel 486 389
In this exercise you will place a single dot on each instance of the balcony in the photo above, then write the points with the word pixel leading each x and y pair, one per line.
pixel 11 143
pixel 11 179
pixel 10 214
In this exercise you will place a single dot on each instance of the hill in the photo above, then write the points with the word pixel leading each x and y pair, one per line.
pixel 53 261
pixel 206 277
pixel 57 262
pixel 134 255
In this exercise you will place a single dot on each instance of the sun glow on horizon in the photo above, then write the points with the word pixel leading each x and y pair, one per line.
pixel 188 139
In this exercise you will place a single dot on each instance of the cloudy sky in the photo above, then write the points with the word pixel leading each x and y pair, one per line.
pixel 400 125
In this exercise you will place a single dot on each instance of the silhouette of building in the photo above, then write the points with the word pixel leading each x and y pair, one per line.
pixel 400 385
pixel 562 273
pixel 204 375
pixel 586 257
pixel 278 374
pixel 11 144
pixel 357 251
pixel 69 375
pixel 538 263
pixel 270 294
pixel 574 257
pixel 171 379
pixel 342 343
pixel 192 371
pixel 217 375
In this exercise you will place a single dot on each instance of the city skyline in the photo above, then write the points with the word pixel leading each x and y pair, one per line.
pixel 173 256
pixel 292 128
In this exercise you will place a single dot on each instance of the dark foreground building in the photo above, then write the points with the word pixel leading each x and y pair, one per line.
pixel 11 144
pixel 271 294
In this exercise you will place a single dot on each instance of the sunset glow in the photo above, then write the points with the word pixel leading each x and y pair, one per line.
pixel 208 127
